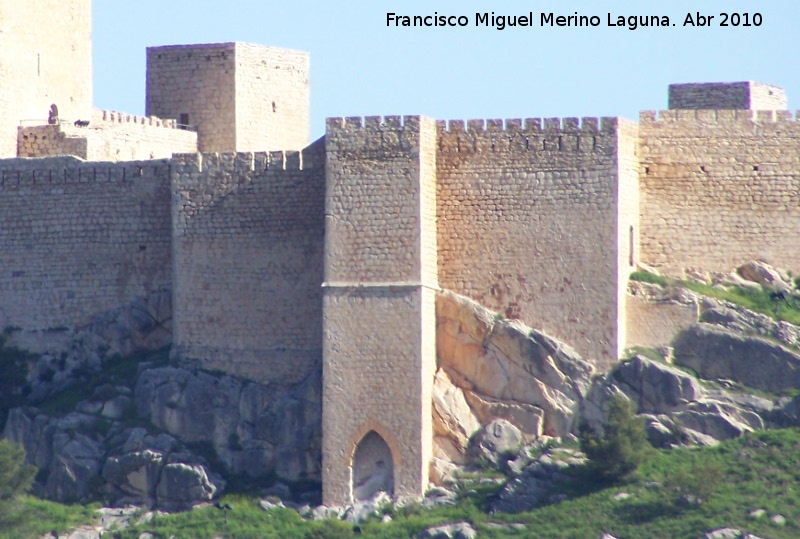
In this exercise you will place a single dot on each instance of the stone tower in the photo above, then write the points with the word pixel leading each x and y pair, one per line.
pixel 379 344
pixel 239 97
pixel 46 59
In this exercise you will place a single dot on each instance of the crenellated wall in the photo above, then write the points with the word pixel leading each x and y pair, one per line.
pixel 529 222
pixel 80 239
pixel 109 136
pixel 248 250
pixel 719 188
pixel 379 350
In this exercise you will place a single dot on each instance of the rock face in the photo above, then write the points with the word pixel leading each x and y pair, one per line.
pixel 506 367
pixel 254 429
pixel 718 353
pixel 678 409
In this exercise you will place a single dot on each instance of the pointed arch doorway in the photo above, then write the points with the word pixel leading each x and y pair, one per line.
pixel 372 468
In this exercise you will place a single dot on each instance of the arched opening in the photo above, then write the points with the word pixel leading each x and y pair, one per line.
pixel 372 469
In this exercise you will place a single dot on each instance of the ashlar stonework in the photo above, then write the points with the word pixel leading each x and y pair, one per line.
pixel 285 258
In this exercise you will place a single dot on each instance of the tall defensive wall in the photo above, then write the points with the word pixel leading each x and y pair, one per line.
pixel 720 179
pixel 539 221
pixel 719 188
pixel 248 233
pixel 81 239
pixel 379 348
pixel 46 59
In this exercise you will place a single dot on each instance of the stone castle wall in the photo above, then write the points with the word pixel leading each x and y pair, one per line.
pixel 248 254
pixel 272 98
pixel 197 80
pixel 80 239
pixel 46 58
pixel 719 188
pixel 379 309
pixel 110 136
pixel 628 222
pixel 239 96
pixel 528 223
pixel 726 95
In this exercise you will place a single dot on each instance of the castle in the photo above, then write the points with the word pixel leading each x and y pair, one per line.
pixel 283 256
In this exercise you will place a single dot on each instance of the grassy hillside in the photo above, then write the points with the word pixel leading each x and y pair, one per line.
pixel 680 493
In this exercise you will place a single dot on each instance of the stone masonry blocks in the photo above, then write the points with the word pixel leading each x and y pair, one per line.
pixel 746 95
pixel 47 59
pixel 379 348
pixel 239 96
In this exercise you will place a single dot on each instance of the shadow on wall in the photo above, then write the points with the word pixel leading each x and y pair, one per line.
pixel 372 469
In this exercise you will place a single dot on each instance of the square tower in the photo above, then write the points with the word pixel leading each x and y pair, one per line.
pixel 239 97
pixel 46 59
pixel 745 95
pixel 379 322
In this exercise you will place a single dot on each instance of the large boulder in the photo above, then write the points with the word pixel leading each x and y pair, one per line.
pixel 78 460
pixel 508 361
pixel 186 482
pixel 255 430
pixel 656 387
pixel 136 474
pixel 718 353
pixel 496 443
pixel 762 273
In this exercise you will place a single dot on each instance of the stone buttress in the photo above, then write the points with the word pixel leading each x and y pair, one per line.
pixel 379 349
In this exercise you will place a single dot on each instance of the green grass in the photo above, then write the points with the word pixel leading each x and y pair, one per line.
pixel 647 277
pixel 784 307
pixel 30 517
pixel 116 371
pixel 776 306
pixel 759 471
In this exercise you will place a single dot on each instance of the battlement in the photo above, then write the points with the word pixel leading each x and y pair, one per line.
pixel 39 173
pixel 588 125
pixel 584 135
pixel 375 133
pixel 232 162
pixel 722 116
pixel 115 117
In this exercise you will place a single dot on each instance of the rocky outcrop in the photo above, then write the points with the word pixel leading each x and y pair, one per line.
pixel 678 409
pixel 67 356
pixel 503 362
pixel 254 430
pixel 718 353
pixel 534 485
pixel 129 466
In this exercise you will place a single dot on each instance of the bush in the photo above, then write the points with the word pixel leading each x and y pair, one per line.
pixel 622 448
pixel 698 482
pixel 16 477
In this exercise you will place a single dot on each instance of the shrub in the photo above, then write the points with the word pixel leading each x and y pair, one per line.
pixel 622 448
pixel 698 482
pixel 16 477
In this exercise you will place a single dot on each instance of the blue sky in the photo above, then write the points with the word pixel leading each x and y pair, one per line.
pixel 359 66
